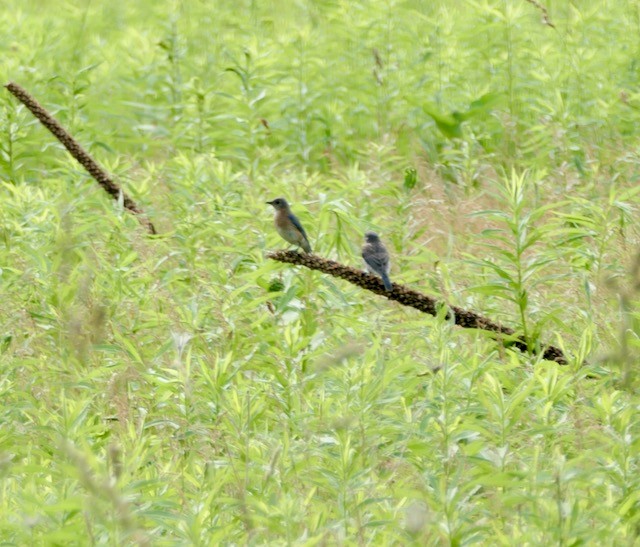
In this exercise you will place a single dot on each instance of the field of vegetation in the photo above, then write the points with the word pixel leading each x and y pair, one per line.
pixel 185 389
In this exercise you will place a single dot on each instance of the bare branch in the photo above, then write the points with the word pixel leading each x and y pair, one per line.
pixel 414 299
pixel 79 153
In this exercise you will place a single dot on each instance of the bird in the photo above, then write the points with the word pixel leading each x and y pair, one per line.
pixel 288 225
pixel 376 258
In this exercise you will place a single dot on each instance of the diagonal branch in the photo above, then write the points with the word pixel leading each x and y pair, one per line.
pixel 414 299
pixel 79 153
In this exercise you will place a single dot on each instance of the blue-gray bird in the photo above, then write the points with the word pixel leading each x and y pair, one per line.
pixel 376 258
pixel 288 225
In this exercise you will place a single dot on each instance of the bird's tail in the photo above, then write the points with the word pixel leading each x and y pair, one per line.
pixel 386 281
pixel 306 245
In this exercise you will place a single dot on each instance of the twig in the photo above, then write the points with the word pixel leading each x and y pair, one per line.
pixel 545 14
pixel 79 153
pixel 414 299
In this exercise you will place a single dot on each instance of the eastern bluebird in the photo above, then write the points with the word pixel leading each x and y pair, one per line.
pixel 376 258
pixel 288 225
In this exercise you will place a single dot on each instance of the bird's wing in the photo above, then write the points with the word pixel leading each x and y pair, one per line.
pixel 294 220
pixel 378 260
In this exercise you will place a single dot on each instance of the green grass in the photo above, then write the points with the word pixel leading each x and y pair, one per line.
pixel 185 390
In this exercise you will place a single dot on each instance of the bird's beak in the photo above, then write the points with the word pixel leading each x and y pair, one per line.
pixel 270 202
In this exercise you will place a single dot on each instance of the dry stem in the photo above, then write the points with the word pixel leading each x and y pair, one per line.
pixel 79 153
pixel 414 299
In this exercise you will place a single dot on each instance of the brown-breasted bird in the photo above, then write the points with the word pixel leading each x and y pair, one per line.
pixel 288 225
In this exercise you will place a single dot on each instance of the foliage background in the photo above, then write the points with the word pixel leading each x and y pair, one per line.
pixel 185 390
